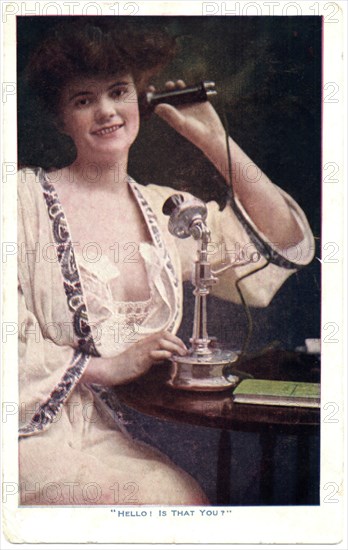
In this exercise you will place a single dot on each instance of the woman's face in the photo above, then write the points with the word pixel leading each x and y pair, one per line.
pixel 101 116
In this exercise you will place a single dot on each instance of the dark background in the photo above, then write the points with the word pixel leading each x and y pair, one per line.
pixel 268 76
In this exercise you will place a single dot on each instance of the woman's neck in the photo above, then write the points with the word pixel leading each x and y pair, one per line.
pixel 92 176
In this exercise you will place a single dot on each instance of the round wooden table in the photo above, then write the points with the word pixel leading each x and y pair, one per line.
pixel 152 396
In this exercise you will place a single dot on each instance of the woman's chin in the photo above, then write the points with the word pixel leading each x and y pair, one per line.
pixel 105 154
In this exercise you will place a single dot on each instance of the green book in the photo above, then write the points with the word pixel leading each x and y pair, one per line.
pixel 277 392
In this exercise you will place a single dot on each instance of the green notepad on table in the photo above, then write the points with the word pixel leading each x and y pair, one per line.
pixel 277 392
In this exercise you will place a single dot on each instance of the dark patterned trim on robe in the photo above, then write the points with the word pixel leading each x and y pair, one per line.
pixel 70 274
pixel 153 226
pixel 48 411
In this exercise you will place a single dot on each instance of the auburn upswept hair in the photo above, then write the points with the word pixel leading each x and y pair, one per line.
pixel 97 47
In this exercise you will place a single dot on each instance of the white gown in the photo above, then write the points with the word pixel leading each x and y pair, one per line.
pixel 73 446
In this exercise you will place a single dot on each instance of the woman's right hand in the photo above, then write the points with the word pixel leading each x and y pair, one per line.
pixel 135 361
pixel 155 348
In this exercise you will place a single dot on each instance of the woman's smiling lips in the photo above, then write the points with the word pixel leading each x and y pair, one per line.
pixel 108 130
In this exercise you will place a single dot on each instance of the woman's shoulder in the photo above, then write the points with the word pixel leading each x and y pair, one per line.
pixel 28 178
pixel 29 189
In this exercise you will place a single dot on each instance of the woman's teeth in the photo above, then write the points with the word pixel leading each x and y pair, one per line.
pixel 108 130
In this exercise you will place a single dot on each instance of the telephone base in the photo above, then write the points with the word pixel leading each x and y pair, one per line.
pixel 203 372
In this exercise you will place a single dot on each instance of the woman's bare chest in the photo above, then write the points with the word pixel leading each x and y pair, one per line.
pixel 103 229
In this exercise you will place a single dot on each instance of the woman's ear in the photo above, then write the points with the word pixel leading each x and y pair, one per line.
pixel 142 85
pixel 144 110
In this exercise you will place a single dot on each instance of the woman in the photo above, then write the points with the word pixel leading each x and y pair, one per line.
pixel 101 301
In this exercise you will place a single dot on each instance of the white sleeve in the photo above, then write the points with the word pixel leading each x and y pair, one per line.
pixel 231 244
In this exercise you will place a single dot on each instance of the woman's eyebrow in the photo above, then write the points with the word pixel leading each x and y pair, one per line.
pixel 80 93
pixel 120 83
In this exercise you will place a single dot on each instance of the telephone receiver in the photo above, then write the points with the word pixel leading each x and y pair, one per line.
pixel 196 93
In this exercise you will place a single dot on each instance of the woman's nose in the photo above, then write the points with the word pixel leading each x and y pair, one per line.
pixel 106 109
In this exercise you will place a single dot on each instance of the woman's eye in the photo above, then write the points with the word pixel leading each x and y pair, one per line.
pixel 82 102
pixel 119 92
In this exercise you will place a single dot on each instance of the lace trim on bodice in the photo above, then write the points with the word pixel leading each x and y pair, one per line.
pixel 133 313
pixel 97 280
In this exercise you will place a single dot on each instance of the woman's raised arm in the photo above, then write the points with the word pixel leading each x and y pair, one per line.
pixel 200 124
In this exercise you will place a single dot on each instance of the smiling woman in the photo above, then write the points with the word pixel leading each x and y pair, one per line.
pixel 101 117
pixel 116 317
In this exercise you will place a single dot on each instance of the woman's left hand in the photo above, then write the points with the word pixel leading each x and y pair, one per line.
pixel 197 122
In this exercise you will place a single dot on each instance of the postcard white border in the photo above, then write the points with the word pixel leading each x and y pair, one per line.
pixel 310 525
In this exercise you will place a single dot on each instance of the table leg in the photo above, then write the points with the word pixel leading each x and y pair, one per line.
pixel 305 473
pixel 268 443
pixel 223 478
